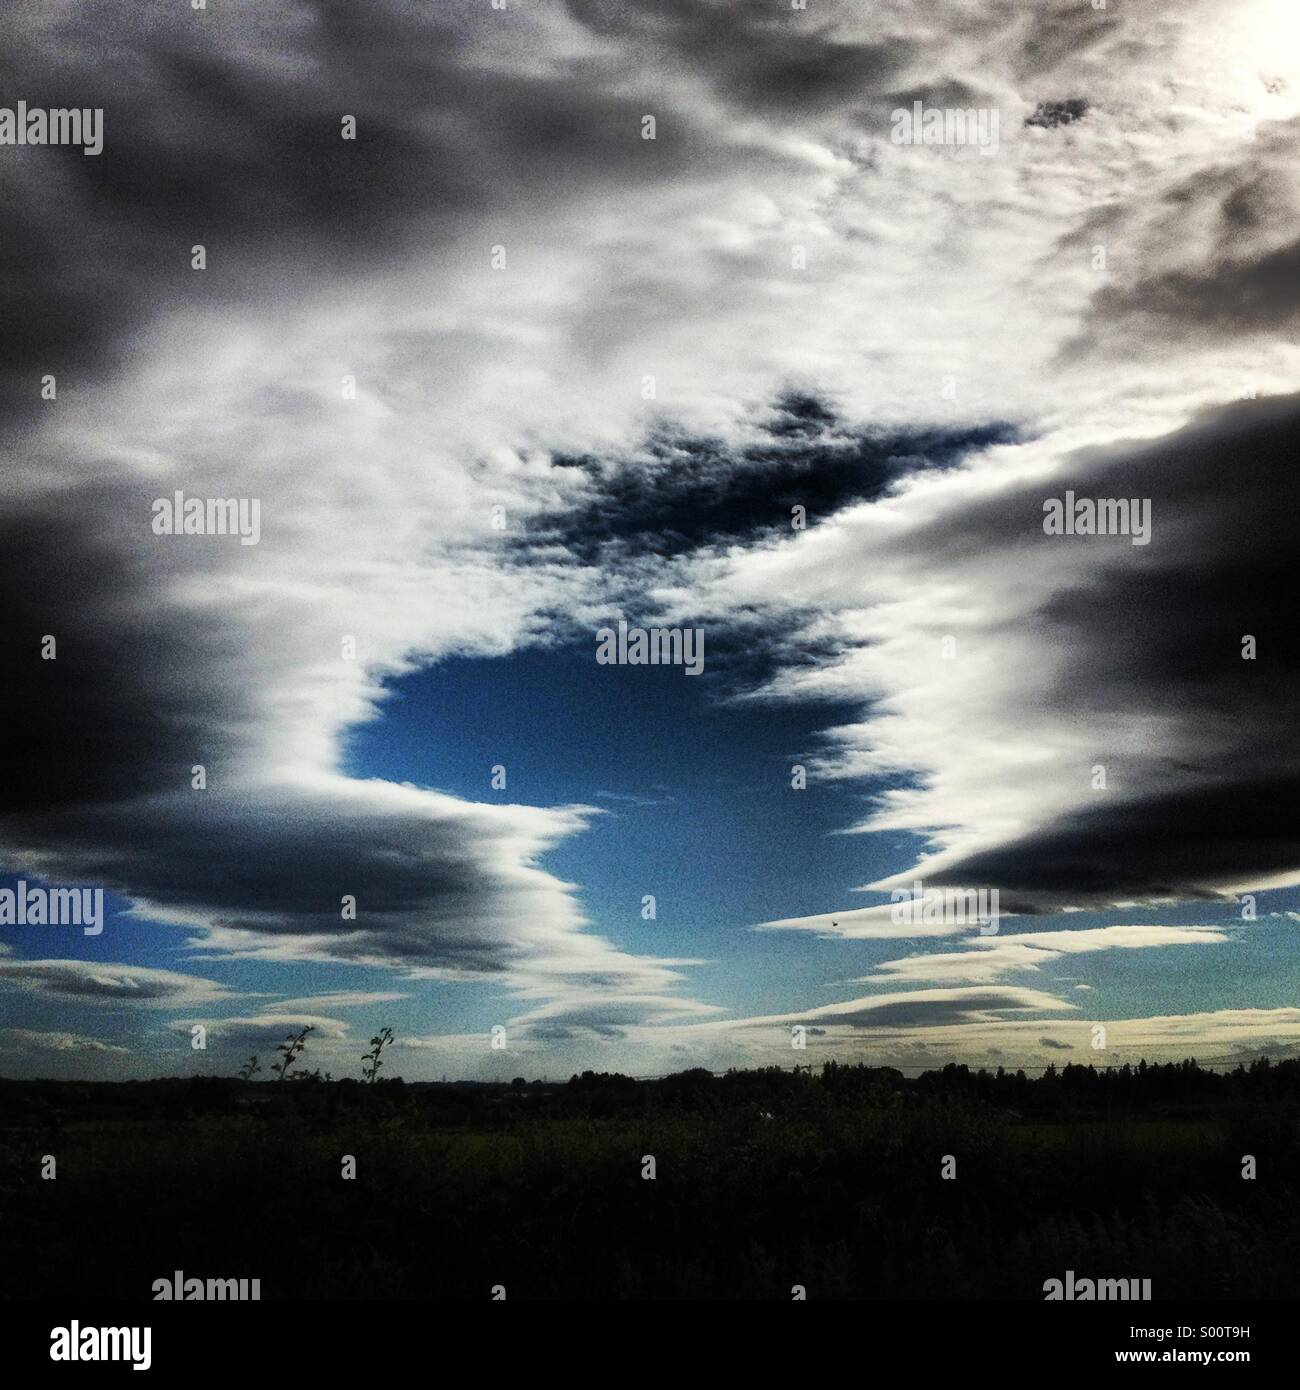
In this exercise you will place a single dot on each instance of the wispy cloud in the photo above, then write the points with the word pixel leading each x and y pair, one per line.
pixel 90 982
pixel 990 958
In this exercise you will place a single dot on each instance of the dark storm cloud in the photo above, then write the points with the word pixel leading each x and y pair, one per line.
pixel 1050 114
pixel 202 145
pixel 1184 845
pixel 1222 297
pixel 223 128
pixel 1217 257
pixel 266 870
pixel 147 680
pixel 1154 634
pixel 756 55
pixel 136 683
pixel 685 493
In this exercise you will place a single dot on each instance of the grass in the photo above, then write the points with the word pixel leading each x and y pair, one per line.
pixel 839 1193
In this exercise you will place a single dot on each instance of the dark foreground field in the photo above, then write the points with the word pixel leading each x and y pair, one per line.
pixel 764 1180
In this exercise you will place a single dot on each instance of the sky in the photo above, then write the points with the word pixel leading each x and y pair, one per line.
pixel 517 322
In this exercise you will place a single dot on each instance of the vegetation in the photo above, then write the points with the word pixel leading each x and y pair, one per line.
pixel 289 1051
pixel 764 1180
pixel 371 1061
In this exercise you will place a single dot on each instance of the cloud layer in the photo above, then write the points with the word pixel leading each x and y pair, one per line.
pixel 501 366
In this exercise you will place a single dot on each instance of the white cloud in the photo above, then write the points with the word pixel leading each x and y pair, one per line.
pixel 90 982
pixel 625 259
pixel 25 1040
pixel 989 958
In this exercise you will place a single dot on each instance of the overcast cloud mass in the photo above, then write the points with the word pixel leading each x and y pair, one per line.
pixel 501 370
